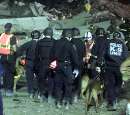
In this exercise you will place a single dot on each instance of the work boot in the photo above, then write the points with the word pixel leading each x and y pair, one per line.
pixel 50 100
pixel 76 99
pixel 31 96
pixel 9 93
pixel 58 105
pixel 67 105
pixel 44 98
pixel 112 106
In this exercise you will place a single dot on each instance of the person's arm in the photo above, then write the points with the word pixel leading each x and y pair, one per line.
pixel 23 48
pixel 37 57
pixel 13 43
pixel 125 52
pixel 74 56
pixel 84 50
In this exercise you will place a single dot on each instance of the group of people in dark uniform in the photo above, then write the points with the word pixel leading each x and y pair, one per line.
pixel 54 68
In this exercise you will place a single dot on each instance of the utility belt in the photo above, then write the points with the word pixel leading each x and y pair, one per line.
pixel 44 58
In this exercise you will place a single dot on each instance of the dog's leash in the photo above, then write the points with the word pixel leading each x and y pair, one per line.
pixel 98 77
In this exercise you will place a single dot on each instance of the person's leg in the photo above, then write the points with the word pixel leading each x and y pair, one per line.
pixel 78 81
pixel 9 79
pixel 1 104
pixel 50 87
pixel 30 78
pixel 119 81
pixel 76 88
pixel 68 90
pixel 58 81
pixel 109 80
pixel 42 82
pixel 5 78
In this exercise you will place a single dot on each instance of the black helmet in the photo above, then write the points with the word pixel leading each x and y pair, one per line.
pixel 116 35
pixel 67 33
pixel 35 34
pixel 100 32
pixel 48 32
pixel 8 25
pixel 75 32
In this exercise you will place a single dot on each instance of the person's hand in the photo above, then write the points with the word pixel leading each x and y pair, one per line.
pixel 76 73
pixel 98 69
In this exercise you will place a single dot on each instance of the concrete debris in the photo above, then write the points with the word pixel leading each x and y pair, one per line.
pixel 19 3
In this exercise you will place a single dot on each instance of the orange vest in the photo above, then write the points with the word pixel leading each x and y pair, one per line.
pixel 5 44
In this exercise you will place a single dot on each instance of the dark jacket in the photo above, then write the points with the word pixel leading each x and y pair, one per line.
pixel 80 47
pixel 99 46
pixel 115 53
pixel 64 51
pixel 43 49
pixel 28 49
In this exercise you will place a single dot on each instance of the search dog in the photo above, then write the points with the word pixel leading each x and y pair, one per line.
pixel 19 71
pixel 91 89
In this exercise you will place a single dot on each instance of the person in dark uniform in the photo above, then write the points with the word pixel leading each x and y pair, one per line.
pixel 67 59
pixel 98 50
pixel 29 50
pixel 100 43
pixel 80 48
pixel 115 53
pixel 8 62
pixel 45 75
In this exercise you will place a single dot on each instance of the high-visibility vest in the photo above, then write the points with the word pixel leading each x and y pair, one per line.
pixel 5 43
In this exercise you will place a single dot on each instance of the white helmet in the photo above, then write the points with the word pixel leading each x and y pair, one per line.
pixel 88 36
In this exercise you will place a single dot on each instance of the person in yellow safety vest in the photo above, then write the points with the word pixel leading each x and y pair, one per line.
pixel 8 58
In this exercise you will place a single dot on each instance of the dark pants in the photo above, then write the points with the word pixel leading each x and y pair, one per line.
pixel 8 79
pixel 1 104
pixel 77 83
pixel 50 82
pixel 63 84
pixel 113 82
pixel 45 79
pixel 30 76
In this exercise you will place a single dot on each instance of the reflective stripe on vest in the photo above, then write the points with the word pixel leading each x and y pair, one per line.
pixel 5 44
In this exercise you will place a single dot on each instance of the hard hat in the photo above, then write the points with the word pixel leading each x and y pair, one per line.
pixel 116 35
pixel 88 36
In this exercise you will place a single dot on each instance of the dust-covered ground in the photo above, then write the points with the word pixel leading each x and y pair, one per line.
pixel 21 104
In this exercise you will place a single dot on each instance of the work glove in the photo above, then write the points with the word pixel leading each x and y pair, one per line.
pixel 98 69
pixel 76 73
